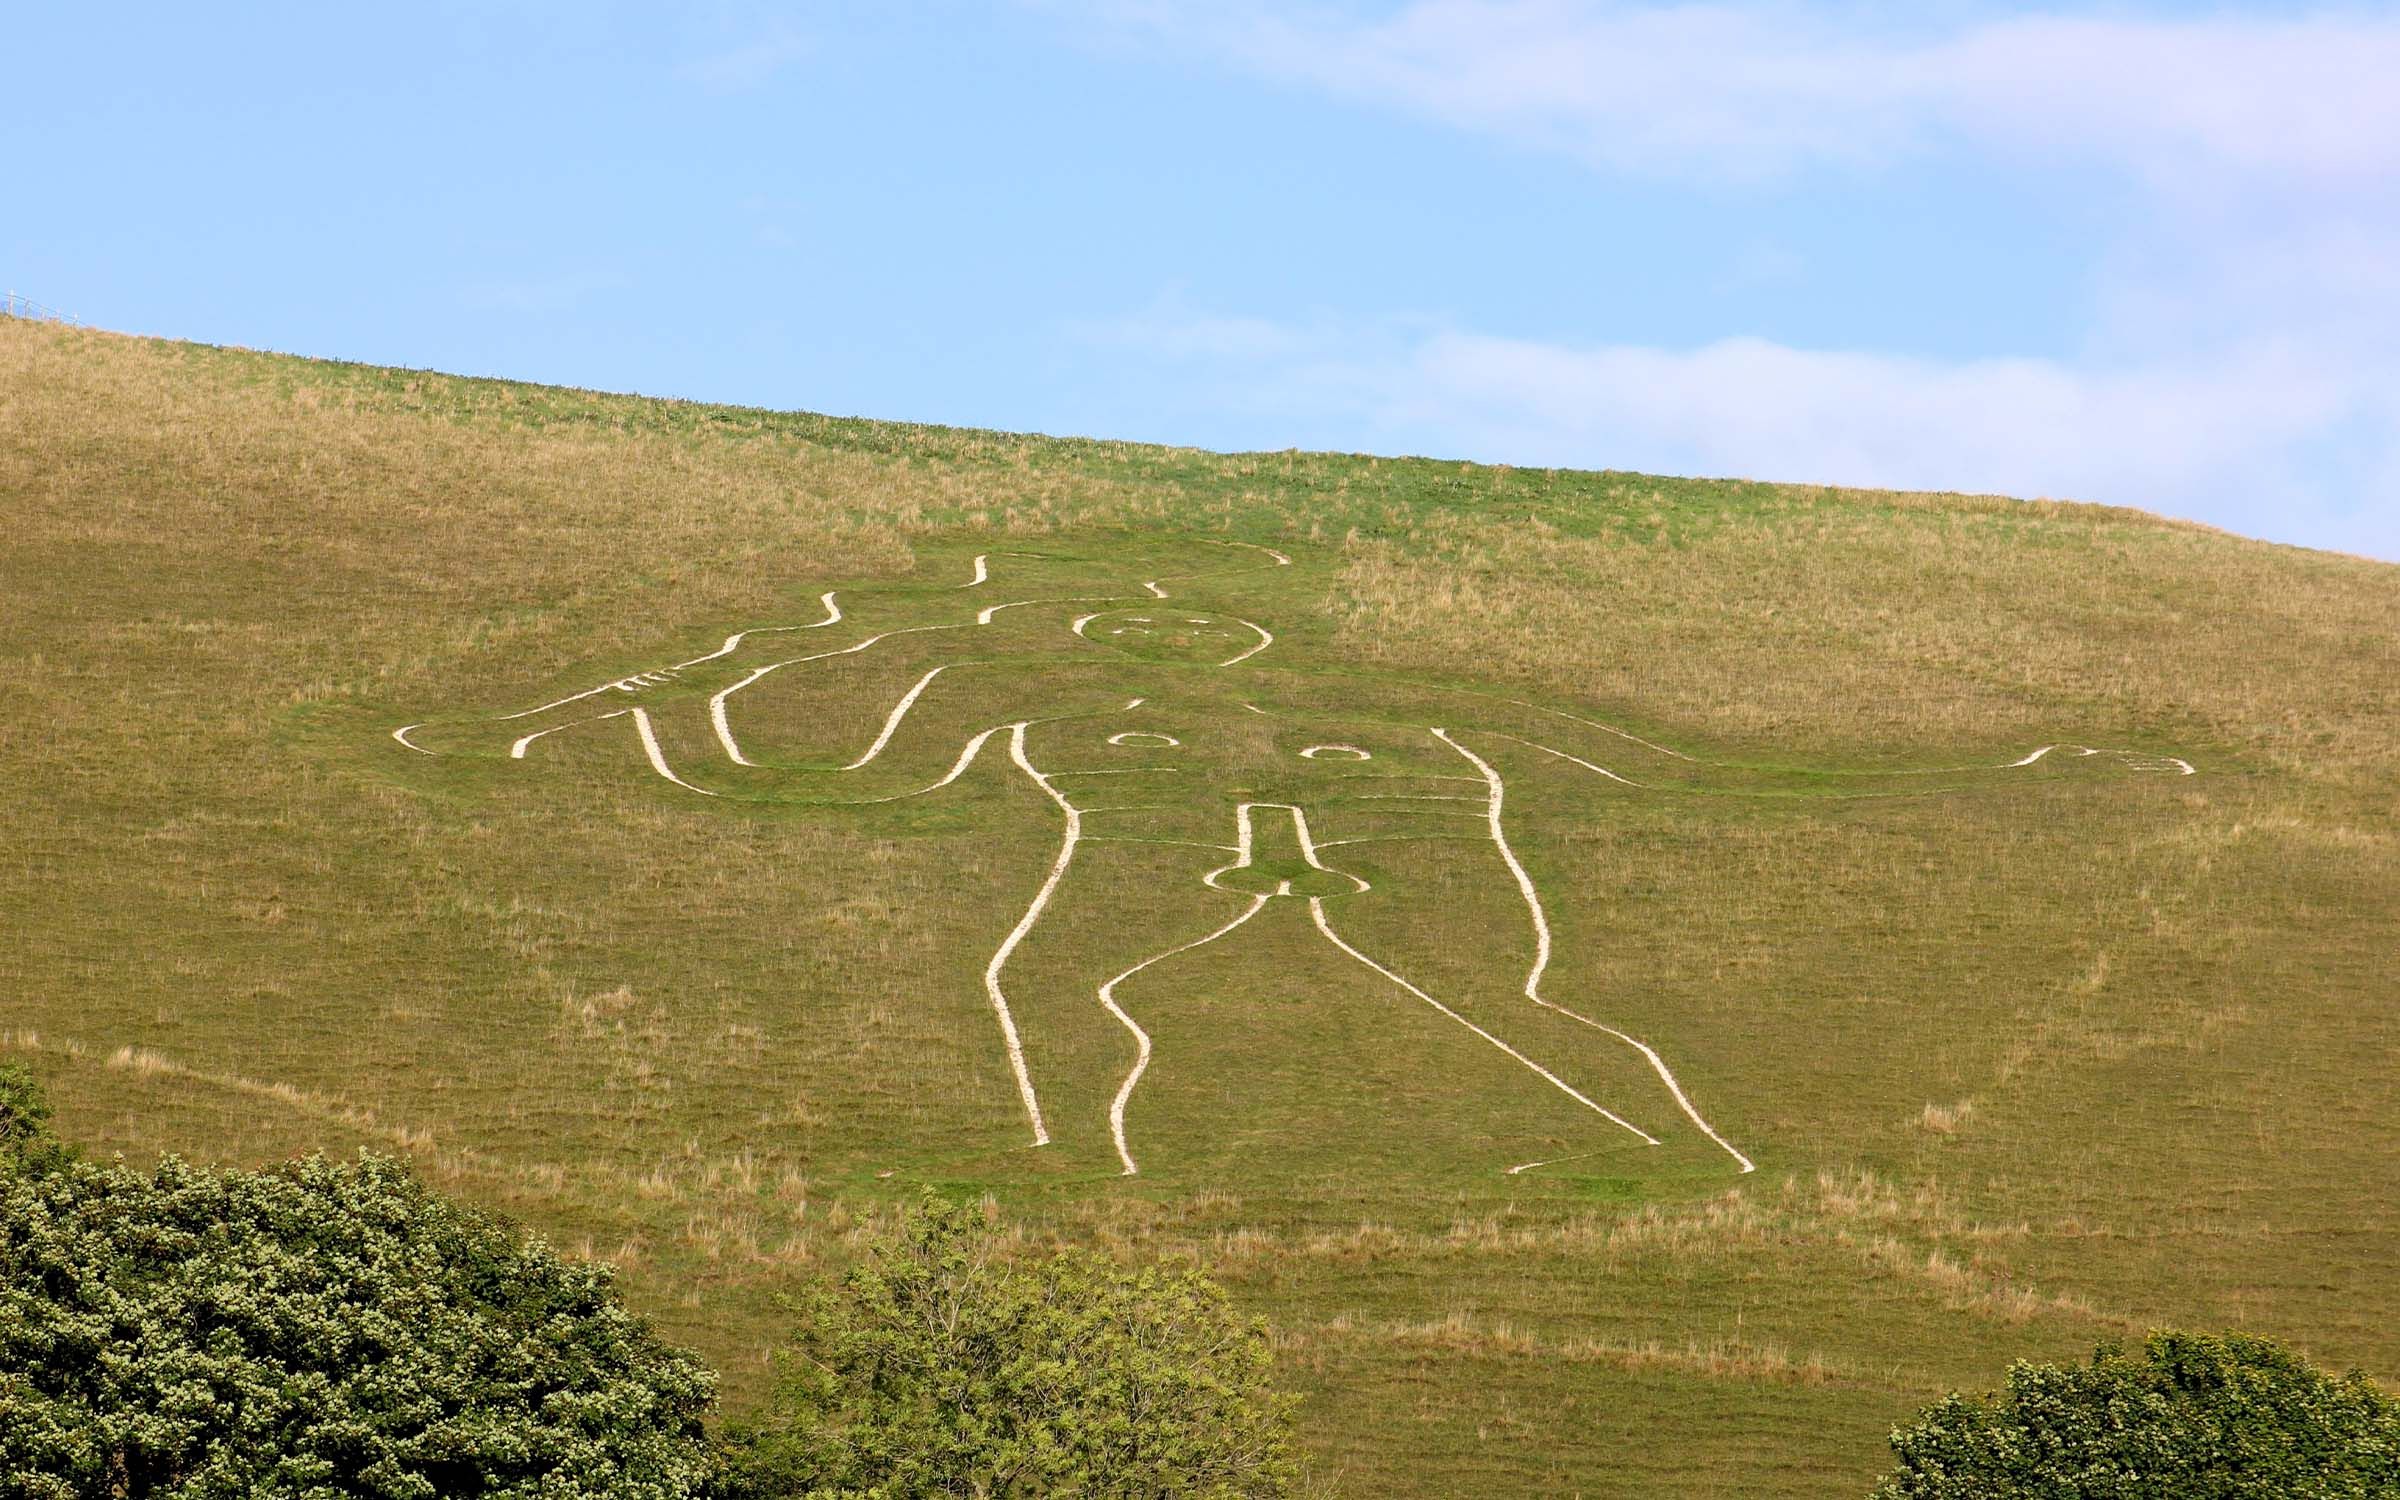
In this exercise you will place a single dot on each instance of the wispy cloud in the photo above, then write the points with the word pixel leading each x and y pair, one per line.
pixel 2241 357
pixel 1759 89
pixel 749 63
pixel 2251 430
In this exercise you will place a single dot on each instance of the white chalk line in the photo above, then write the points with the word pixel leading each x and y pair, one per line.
pixel 1398 838
pixel 983 569
pixel 1281 561
pixel 833 615
pixel 638 680
pixel 1556 1160
pixel 1244 844
pixel 721 722
pixel 1316 910
pixel 1178 843
pixel 658 757
pixel 1541 955
pixel 1266 637
pixel 984 616
pixel 891 721
pixel 1622 734
pixel 1157 592
pixel 2133 759
pixel 1025 923
pixel 966 758
pixel 2133 762
pixel 617 684
pixel 716 703
pixel 1141 1038
pixel 517 750
pixel 2160 762
pixel 724 727
pixel 1563 755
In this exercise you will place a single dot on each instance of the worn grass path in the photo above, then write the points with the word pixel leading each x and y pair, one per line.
pixel 2024 1054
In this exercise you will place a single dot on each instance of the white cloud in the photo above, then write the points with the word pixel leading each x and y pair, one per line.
pixel 1761 89
pixel 2240 362
pixel 2016 426
pixel 2248 439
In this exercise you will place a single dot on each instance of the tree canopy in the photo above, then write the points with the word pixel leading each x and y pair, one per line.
pixel 25 1139
pixel 941 1368
pixel 321 1329
pixel 2193 1416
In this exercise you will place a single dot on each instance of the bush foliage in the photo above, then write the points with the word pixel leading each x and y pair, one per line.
pixel 26 1143
pixel 322 1329
pixel 2191 1416
pixel 939 1368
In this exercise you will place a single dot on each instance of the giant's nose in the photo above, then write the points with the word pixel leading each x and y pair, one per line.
pixel 1276 857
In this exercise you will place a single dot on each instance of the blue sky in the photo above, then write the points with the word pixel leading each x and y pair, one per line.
pixel 2144 254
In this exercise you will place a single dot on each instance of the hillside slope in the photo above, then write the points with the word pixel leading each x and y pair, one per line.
pixel 2025 1053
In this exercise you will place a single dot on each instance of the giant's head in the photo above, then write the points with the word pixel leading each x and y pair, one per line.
pixel 1166 633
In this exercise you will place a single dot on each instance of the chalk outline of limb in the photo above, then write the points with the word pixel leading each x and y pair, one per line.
pixel 1494 800
pixel 634 682
pixel 1243 852
pixel 1492 812
pixel 654 753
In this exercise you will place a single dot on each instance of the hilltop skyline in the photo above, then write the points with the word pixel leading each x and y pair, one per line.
pixel 2136 255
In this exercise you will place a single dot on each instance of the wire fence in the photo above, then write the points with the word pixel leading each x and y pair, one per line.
pixel 16 306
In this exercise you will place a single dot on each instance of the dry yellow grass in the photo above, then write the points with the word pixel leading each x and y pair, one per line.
pixel 2027 1069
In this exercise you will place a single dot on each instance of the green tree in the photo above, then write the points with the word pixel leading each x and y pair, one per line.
pixel 322 1329
pixel 2191 1416
pixel 26 1143
pixel 938 1368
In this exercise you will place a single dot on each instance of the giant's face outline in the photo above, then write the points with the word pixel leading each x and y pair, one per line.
pixel 1166 633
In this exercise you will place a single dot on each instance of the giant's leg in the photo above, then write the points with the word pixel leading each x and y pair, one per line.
pixel 1077 983
pixel 1497 825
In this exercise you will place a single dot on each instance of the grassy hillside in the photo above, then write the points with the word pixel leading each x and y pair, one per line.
pixel 2025 1056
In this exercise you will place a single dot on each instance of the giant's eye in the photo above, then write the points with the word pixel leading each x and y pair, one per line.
pixel 1142 737
pixel 1334 752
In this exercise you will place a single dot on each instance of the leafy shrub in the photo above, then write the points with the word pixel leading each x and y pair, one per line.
pixel 2191 1416
pixel 322 1329
pixel 25 1139
pixel 939 1369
